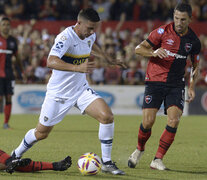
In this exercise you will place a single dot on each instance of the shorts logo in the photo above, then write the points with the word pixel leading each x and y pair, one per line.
pixel 46 119
pixel 160 31
pixel 148 99
pixel 59 45
pixel 188 47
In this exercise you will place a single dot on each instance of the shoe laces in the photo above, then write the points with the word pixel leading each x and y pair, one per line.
pixel 111 164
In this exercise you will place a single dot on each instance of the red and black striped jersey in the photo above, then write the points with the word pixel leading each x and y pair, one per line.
pixel 8 48
pixel 171 70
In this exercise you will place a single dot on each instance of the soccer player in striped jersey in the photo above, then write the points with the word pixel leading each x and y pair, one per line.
pixel 168 48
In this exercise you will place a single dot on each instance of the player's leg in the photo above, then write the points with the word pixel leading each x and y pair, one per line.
pixel 7 164
pixel 31 137
pixel 174 104
pixel 9 91
pixel 152 101
pixel 52 112
pixel 7 110
pixel 40 165
pixel 90 103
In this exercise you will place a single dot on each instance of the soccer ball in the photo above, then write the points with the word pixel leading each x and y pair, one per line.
pixel 89 164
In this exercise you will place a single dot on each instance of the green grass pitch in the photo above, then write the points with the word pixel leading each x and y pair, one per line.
pixel 75 135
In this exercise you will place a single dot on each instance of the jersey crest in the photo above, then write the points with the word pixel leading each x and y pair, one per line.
pixel 188 47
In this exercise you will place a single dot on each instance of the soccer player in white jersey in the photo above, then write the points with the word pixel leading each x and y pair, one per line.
pixel 68 87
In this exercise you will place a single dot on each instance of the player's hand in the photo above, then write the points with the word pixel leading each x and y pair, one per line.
pixel 85 67
pixel 121 63
pixel 191 95
pixel 118 62
pixel 161 53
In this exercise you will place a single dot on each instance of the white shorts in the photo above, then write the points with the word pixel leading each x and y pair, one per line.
pixel 54 109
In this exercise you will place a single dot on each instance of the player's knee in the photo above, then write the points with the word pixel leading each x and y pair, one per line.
pixel 173 122
pixel 148 122
pixel 106 118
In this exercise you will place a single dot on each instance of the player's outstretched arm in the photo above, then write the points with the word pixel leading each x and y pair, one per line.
pixel 55 62
pixel 145 49
pixel 98 52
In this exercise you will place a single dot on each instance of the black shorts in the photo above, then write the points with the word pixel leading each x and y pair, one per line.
pixel 155 95
pixel 6 86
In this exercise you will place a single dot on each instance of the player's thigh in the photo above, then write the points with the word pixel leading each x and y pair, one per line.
pixel 99 110
pixel 93 105
pixel 173 116
pixel 53 111
pixel 175 97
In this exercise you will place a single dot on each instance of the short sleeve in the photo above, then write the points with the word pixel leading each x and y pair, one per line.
pixel 155 36
pixel 15 50
pixel 196 47
pixel 61 45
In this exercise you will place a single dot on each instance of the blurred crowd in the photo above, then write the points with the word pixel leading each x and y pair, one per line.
pixel 108 9
pixel 34 45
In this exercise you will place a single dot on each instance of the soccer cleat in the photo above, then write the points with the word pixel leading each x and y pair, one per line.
pixel 110 167
pixel 13 155
pixel 62 165
pixel 134 158
pixel 6 126
pixel 158 164
pixel 15 163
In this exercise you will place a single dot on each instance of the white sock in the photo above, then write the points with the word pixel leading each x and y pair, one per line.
pixel 26 143
pixel 106 134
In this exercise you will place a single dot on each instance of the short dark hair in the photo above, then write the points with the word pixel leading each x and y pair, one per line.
pixel 184 7
pixel 5 19
pixel 89 14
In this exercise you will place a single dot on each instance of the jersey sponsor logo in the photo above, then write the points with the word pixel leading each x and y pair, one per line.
pixel 160 31
pixel 177 56
pixel 5 51
pixel 75 59
pixel 188 47
pixel 170 42
pixel 148 99
pixel 204 101
pixel 59 45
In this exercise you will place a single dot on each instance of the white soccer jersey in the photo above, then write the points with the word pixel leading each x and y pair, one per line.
pixel 71 49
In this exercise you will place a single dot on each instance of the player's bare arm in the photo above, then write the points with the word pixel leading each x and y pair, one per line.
pixel 145 49
pixel 193 78
pixel 55 62
pixel 96 51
